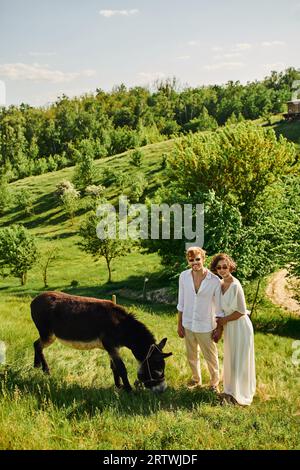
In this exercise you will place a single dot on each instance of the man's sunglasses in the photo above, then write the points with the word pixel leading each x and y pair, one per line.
pixel 194 259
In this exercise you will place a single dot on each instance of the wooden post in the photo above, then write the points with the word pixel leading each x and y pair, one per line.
pixel 114 299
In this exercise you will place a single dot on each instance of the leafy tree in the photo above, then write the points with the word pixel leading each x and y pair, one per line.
pixel 248 210
pixel 5 195
pixel 238 163
pixel 136 158
pixel 18 251
pixel 108 248
pixel 24 200
pixel 50 254
pixel 85 170
pixel 69 200
pixel 140 185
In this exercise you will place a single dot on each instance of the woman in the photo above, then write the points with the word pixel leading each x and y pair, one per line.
pixel 239 365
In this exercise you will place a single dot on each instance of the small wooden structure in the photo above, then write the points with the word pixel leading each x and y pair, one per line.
pixel 293 110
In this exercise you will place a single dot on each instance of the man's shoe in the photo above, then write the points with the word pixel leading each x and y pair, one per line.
pixel 214 388
pixel 193 384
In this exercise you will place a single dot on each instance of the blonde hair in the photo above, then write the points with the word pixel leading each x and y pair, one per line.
pixel 193 250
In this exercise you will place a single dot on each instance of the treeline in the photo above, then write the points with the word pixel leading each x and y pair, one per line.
pixel 37 140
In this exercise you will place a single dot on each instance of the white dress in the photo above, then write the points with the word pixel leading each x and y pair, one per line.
pixel 239 363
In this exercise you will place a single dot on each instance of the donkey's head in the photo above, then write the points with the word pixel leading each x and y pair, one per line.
pixel 152 370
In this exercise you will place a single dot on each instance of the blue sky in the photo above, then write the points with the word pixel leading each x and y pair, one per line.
pixel 50 47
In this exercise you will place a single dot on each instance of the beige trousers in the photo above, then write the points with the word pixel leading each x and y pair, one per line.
pixel 209 351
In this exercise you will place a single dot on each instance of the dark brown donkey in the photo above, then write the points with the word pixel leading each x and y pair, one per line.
pixel 87 323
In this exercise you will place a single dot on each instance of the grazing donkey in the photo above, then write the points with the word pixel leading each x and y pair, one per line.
pixel 88 323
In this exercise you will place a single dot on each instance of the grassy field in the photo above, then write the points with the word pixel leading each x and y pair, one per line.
pixel 77 407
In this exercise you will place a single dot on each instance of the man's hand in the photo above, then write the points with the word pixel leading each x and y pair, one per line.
pixel 180 331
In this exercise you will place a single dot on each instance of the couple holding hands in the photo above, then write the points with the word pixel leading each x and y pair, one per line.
pixel 207 307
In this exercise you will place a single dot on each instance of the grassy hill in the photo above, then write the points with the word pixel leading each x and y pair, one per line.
pixel 78 407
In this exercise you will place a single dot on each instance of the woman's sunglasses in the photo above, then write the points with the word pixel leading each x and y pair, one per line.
pixel 221 267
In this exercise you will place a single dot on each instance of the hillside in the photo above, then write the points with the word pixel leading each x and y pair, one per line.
pixel 77 407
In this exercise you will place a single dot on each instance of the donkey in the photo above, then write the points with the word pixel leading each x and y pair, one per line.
pixel 88 323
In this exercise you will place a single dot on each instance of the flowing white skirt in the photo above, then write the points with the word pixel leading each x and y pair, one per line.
pixel 239 363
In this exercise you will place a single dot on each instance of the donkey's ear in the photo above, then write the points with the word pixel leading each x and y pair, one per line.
pixel 161 345
pixel 167 355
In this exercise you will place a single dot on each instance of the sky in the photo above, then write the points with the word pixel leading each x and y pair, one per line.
pixel 54 47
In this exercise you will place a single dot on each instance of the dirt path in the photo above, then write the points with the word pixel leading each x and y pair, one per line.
pixel 280 291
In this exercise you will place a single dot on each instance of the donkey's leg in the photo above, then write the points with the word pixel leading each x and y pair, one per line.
pixel 119 369
pixel 116 375
pixel 39 358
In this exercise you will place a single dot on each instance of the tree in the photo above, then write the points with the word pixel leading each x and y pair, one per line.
pixel 18 251
pixel 69 201
pixel 136 158
pixel 24 200
pixel 5 195
pixel 238 174
pixel 108 248
pixel 85 170
pixel 68 197
pixel 50 254
pixel 237 162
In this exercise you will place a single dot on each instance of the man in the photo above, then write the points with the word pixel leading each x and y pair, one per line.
pixel 198 305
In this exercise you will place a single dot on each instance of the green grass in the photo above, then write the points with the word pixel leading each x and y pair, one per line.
pixel 77 407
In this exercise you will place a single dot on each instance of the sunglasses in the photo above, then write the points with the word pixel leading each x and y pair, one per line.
pixel 221 267
pixel 192 260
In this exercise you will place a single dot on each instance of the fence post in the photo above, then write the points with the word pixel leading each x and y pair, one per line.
pixel 114 299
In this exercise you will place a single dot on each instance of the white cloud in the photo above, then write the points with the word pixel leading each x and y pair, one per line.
pixel 37 72
pixel 110 13
pixel 217 49
pixel 272 43
pixel 224 65
pixel 232 55
pixel 183 57
pixel 148 77
pixel 275 66
pixel 42 54
pixel 193 43
pixel 242 46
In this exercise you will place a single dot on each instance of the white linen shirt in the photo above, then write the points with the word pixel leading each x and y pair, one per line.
pixel 199 309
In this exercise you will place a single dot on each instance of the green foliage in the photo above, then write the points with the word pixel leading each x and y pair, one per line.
pixel 203 122
pixel 23 199
pixel 37 140
pixel 85 171
pixel 237 174
pixel 136 158
pixel 237 163
pixel 69 201
pixel 18 251
pixel 139 188
pixel 68 198
pixel 5 195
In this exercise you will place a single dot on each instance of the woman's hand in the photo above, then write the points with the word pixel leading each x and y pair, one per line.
pixel 217 333
pixel 221 321
pixel 180 331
